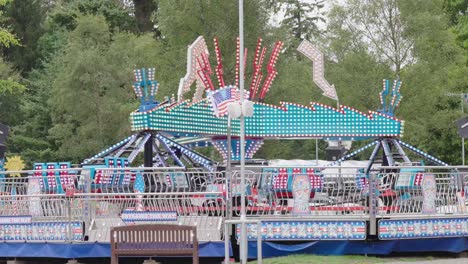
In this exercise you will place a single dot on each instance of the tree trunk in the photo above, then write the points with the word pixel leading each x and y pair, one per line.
pixel 143 11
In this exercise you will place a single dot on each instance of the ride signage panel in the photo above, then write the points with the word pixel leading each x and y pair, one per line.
pixel 423 228
pixel 307 230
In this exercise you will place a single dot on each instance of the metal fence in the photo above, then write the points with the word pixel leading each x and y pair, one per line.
pixel 96 200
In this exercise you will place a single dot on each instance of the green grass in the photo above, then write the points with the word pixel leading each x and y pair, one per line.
pixel 315 259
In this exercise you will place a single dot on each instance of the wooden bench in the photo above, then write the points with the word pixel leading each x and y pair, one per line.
pixel 154 240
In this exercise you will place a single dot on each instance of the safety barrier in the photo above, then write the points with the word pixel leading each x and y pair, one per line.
pixel 76 204
pixel 349 192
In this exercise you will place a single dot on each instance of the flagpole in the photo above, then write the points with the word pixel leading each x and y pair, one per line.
pixel 243 237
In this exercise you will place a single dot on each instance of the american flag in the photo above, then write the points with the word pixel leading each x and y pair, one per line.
pixel 221 98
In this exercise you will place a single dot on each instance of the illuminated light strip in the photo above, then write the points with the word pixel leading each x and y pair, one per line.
pixel 137 90
pixel 314 54
pixel 396 99
pixel 220 147
pixel 139 148
pixel 252 145
pixel 256 69
pixel 219 62
pixel 260 75
pixel 145 87
pixel 272 72
pixel 137 74
pixel 205 71
pixel 177 104
pixel 110 149
pixel 125 147
pixel 390 107
pixel 194 51
pixel 186 151
pixel 384 93
pixel 422 153
pixel 154 89
pixel 265 123
pixel 354 153
pixel 257 75
pixel 165 142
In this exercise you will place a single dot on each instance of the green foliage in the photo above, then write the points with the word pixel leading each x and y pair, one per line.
pixel 63 18
pixel 76 60
pixel 377 26
pixel 458 14
pixel 441 68
pixel 90 95
pixel 10 95
pixel 181 22
pixel 6 38
pixel 116 14
pixel 456 10
pixel 300 17
pixel 25 18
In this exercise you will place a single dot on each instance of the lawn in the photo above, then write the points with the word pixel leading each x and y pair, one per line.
pixel 307 259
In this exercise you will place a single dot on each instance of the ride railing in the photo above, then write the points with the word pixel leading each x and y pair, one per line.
pixel 111 198
pixel 274 193
pixel 70 200
pixel 393 192
pixel 421 192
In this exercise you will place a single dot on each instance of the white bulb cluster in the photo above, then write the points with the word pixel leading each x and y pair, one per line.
pixel 422 153
pixel 110 149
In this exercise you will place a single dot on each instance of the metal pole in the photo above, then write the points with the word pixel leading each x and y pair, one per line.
pixel 69 229
pixel 316 152
pixel 463 151
pixel 259 243
pixel 226 243
pixel 373 204
pixel 228 199
pixel 463 139
pixel 243 241
pixel 228 170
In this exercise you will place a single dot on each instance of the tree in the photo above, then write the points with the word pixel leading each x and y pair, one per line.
pixel 457 11
pixel 144 10
pixel 415 40
pixel 10 92
pixel 25 18
pixel 300 16
pixel 379 24
pixel 440 68
pixel 181 22
pixel 6 38
pixel 9 87
pixel 90 97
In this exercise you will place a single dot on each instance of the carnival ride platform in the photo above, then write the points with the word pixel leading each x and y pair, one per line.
pixel 397 210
